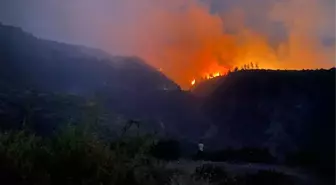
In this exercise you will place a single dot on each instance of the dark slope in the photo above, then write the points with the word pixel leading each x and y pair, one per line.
pixel 52 66
pixel 205 88
pixel 285 111
pixel 125 85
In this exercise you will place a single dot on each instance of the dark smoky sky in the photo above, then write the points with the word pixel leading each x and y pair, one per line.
pixel 169 33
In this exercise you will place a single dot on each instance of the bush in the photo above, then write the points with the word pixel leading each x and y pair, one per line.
pixel 75 156
pixel 22 158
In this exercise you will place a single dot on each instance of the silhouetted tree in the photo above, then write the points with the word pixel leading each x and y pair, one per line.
pixel 252 66
pixel 236 69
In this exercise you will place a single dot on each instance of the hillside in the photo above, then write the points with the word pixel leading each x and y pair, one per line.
pixel 284 111
pixel 45 71
pixel 58 67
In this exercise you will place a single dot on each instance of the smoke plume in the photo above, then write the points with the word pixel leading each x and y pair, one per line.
pixel 186 40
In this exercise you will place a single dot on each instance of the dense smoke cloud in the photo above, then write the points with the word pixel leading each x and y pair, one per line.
pixel 189 38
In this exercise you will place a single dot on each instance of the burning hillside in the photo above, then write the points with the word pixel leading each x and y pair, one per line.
pixel 188 41
pixel 212 71
pixel 218 71
pixel 207 77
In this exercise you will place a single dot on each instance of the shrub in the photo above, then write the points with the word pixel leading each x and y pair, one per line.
pixel 75 156
pixel 22 158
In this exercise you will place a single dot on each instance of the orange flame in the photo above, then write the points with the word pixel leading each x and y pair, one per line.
pixel 193 82
pixel 207 76
pixel 213 75
pixel 213 71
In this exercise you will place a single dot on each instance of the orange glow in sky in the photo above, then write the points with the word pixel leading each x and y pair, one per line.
pixel 193 44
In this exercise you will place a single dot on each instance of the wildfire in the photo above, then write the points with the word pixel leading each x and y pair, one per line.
pixel 208 76
pixel 213 75
pixel 194 43
pixel 193 82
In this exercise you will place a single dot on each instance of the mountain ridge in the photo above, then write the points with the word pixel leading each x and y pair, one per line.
pixel 126 85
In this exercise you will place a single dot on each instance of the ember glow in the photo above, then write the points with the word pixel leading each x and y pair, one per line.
pixel 214 70
pixel 207 77
pixel 213 75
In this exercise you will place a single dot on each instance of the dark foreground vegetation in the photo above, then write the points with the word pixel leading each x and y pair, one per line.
pixel 217 175
pixel 76 155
